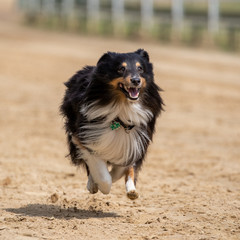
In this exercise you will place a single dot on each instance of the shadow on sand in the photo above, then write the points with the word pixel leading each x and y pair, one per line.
pixel 49 211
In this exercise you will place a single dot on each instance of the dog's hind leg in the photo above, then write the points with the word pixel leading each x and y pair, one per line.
pixel 130 183
pixel 117 172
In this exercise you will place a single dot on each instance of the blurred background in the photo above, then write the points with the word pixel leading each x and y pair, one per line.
pixel 209 23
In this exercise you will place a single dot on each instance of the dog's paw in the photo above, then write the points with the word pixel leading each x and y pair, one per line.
pixel 132 195
pixel 92 187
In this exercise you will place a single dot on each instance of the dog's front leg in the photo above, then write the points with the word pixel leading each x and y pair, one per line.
pixel 99 175
pixel 130 185
pixel 92 187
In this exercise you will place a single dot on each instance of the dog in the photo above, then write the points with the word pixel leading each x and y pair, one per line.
pixel 110 112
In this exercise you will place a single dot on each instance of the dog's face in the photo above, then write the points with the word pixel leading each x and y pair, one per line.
pixel 128 74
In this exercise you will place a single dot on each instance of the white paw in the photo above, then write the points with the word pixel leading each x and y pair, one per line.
pixel 131 190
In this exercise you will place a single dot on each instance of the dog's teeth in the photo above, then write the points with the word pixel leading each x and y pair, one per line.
pixel 133 92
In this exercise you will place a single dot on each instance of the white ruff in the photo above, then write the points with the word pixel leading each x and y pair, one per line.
pixel 116 146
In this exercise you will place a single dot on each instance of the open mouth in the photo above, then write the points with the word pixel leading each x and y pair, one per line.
pixel 130 92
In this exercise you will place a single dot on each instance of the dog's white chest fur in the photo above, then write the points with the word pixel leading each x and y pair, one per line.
pixel 116 146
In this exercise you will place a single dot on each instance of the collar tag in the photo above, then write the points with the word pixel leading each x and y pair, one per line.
pixel 115 125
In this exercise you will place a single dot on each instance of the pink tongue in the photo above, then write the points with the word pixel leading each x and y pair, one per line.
pixel 133 92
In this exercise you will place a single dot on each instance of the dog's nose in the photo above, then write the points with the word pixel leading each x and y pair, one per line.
pixel 135 81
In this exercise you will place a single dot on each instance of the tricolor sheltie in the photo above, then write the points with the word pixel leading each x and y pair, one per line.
pixel 110 112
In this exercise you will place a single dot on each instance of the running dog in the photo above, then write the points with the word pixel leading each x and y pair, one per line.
pixel 110 112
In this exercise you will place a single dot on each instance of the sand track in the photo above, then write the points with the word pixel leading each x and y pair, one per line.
pixel 190 184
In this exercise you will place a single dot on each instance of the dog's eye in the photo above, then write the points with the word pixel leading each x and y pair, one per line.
pixel 121 69
pixel 140 69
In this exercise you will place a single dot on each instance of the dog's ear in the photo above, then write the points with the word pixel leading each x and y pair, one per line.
pixel 143 54
pixel 105 57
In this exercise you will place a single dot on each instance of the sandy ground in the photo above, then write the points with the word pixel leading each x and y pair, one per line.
pixel 190 184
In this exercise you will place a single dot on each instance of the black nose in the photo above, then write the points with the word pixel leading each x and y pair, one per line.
pixel 135 81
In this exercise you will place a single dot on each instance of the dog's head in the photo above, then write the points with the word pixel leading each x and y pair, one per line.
pixel 127 74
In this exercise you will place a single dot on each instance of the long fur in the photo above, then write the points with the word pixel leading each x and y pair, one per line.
pixel 92 102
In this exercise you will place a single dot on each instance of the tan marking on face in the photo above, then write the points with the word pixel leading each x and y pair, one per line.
pixel 115 84
pixel 116 81
pixel 129 173
pixel 124 64
pixel 127 81
pixel 143 82
pixel 138 64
